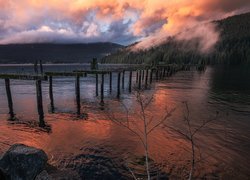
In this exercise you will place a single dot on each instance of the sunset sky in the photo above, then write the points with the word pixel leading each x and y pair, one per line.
pixel 120 21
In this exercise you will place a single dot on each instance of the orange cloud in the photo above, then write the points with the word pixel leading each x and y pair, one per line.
pixel 144 18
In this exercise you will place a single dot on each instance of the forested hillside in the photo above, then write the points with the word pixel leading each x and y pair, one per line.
pixel 232 48
pixel 55 53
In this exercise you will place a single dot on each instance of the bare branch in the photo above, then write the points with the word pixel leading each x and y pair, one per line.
pixel 169 114
pixel 204 124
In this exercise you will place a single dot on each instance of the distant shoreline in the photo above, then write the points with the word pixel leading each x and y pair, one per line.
pixel 62 64
pixel 46 64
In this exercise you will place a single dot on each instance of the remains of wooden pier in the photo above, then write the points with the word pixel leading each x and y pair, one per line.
pixel 144 77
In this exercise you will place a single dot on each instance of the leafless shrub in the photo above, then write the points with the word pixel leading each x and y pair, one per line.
pixel 189 135
pixel 142 133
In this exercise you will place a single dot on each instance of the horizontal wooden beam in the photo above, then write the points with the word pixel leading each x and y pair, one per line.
pixel 64 74
pixel 23 77
pixel 94 71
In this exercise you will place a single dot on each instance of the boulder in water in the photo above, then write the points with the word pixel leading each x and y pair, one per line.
pixel 23 162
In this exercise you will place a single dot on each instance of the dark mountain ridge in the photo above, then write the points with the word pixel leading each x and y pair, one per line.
pixel 55 53
pixel 232 48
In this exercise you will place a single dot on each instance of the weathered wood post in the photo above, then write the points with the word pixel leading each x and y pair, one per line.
pixel 123 79
pixel 39 98
pixel 164 72
pixel 102 91
pixel 51 94
pixel 143 74
pixel 140 78
pixel 168 71
pixel 77 89
pixel 137 76
pixel 130 81
pixel 96 84
pixel 9 97
pixel 35 67
pixel 146 79
pixel 156 74
pixel 171 71
pixel 94 64
pixel 160 74
pixel 151 76
pixel 118 85
pixel 110 82
pixel 41 67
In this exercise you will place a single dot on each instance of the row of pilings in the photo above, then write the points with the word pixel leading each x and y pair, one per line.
pixel 144 77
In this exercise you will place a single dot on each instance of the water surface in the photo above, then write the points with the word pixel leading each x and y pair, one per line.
pixel 99 148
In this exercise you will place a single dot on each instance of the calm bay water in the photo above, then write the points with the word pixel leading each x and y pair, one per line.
pixel 98 148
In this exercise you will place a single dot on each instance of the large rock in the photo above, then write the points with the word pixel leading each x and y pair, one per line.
pixel 22 162
pixel 3 175
pixel 43 176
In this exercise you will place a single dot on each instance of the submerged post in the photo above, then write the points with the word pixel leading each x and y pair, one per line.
pixel 96 84
pixel 130 81
pixel 110 82
pixel 40 103
pixel 118 85
pixel 102 91
pixel 77 89
pixel 9 97
pixel 51 94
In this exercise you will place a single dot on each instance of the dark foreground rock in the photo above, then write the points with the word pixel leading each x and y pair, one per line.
pixel 3 175
pixel 22 162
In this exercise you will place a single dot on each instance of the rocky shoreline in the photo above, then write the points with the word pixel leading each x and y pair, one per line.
pixel 23 162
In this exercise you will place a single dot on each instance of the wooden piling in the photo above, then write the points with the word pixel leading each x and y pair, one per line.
pixel 146 79
pixel 157 74
pixel 123 79
pixel 110 82
pixel 96 84
pixel 137 76
pixel 118 85
pixel 160 74
pixel 35 67
pixel 143 73
pixel 41 67
pixel 130 81
pixel 51 94
pixel 151 76
pixel 102 91
pixel 164 72
pixel 40 103
pixel 140 78
pixel 77 91
pixel 9 98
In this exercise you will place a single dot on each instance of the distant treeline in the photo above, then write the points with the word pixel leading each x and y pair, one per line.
pixel 55 53
pixel 232 48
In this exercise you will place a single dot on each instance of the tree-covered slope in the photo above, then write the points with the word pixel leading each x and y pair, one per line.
pixel 233 47
pixel 55 53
